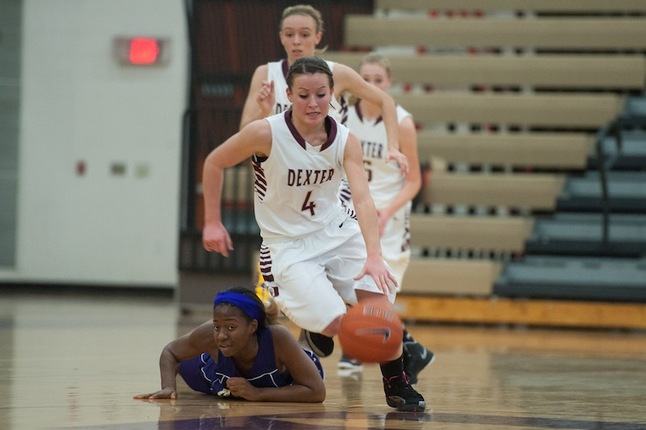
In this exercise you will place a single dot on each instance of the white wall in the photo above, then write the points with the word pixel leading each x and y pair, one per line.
pixel 79 105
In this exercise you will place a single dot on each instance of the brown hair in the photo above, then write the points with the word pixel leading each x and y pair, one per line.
pixel 309 66
pixel 374 58
pixel 303 9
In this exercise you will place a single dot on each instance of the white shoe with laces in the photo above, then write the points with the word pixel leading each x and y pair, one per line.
pixel 349 364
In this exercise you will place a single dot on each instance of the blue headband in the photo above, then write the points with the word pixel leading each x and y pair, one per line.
pixel 245 303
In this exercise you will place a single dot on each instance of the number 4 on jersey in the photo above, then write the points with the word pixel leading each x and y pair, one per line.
pixel 307 204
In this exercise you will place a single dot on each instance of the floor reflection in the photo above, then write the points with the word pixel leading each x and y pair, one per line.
pixel 74 362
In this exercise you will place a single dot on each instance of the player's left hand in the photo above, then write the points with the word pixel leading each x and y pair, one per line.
pixel 240 387
pixel 377 269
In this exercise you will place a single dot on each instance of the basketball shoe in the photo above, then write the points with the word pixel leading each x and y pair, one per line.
pixel 261 288
pixel 320 344
pixel 416 358
pixel 401 395
pixel 349 364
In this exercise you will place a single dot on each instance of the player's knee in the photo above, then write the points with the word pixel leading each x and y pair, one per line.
pixel 333 328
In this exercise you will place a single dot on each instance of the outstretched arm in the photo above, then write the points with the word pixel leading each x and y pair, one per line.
pixel 413 182
pixel 261 98
pixel 347 79
pixel 253 139
pixel 367 216
pixel 187 346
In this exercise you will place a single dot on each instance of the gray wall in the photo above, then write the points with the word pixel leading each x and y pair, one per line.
pixel 92 156
pixel 10 35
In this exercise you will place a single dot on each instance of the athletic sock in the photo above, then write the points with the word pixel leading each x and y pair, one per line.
pixel 392 368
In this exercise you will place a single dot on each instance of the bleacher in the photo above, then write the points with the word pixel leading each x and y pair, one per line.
pixel 511 98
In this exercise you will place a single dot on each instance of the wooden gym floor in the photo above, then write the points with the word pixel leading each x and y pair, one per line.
pixel 74 361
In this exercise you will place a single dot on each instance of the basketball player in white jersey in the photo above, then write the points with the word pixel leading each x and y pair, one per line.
pixel 300 31
pixel 322 257
pixel 391 192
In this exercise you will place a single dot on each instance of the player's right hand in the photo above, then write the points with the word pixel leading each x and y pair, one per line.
pixel 266 97
pixel 215 238
pixel 166 393
pixel 400 159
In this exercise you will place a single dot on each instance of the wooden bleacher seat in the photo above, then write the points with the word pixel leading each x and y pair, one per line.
pixel 552 6
pixel 540 150
pixel 536 191
pixel 471 233
pixel 473 277
pixel 451 277
pixel 546 71
pixel 608 33
pixel 550 60
pixel 541 110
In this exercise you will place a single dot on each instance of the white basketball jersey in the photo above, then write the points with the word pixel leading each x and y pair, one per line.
pixel 384 178
pixel 295 187
pixel 277 72
pixel 385 182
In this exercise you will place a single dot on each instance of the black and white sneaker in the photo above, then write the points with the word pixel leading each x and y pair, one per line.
pixel 416 358
pixel 320 344
pixel 401 395
pixel 349 364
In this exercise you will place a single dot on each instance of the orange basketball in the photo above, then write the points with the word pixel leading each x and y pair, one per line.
pixel 371 332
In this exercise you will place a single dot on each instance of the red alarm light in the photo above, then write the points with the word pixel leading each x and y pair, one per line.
pixel 143 51
pixel 140 51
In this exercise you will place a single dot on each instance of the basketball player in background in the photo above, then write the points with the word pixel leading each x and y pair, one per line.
pixel 300 31
pixel 391 192
pixel 321 256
